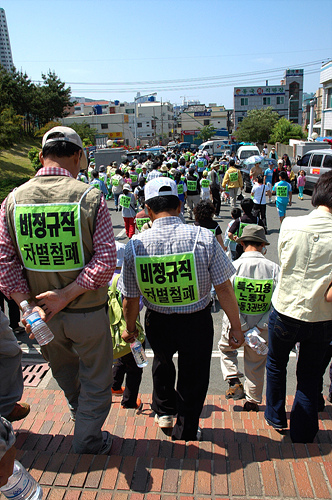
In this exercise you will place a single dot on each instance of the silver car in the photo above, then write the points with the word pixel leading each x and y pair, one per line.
pixel 314 163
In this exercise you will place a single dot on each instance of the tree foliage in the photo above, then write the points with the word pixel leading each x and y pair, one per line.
pixel 37 103
pixel 206 133
pixel 86 133
pixel 257 125
pixel 284 130
pixel 33 156
pixel 10 127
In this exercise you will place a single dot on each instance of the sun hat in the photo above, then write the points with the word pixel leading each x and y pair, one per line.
pixel 163 168
pixel 127 187
pixel 67 134
pixel 160 186
pixel 253 232
pixel 281 162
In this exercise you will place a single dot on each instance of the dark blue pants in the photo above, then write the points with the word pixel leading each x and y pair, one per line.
pixel 314 340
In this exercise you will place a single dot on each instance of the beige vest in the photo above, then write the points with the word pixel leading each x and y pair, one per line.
pixel 61 189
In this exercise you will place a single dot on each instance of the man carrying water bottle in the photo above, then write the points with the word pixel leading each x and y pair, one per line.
pixel 57 251
pixel 173 265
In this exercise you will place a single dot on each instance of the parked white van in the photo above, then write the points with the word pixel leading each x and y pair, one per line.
pixel 245 152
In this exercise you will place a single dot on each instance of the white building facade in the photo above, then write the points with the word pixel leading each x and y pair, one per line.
pixel 326 81
pixel 285 99
pixel 6 58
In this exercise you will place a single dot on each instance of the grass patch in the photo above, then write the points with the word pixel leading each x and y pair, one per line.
pixel 15 166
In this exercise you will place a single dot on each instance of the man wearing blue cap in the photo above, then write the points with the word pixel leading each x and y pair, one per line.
pixel 173 265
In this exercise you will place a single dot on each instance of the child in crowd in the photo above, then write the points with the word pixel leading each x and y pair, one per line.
pixel 301 183
pixel 268 175
pixel 123 365
pixel 205 186
pixel 230 244
pixel 291 176
pixel 128 203
pixel 283 191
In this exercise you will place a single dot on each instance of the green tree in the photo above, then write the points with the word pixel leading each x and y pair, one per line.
pixel 40 132
pixel 206 133
pixel 257 125
pixel 33 156
pixel 10 127
pixel 86 133
pixel 284 130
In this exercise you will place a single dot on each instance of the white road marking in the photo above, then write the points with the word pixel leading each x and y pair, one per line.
pixel 121 233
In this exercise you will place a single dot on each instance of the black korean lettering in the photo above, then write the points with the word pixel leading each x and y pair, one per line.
pixel 250 287
pixel 159 272
pixel 188 293
pixel 252 297
pixel 172 271
pixel 242 306
pixel 162 295
pixel 241 285
pixel 261 297
pixel 175 294
pixel 185 269
pixel 30 254
pixel 25 225
pixel 57 254
pixel 42 253
pixel 71 253
pixel 68 222
pixel 40 224
pixel 146 273
pixel 267 288
pixel 53 226
pixel 258 287
pixel 149 293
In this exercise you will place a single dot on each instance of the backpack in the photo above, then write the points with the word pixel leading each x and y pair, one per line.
pixel 117 321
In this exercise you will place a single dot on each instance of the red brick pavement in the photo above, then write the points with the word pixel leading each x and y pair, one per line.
pixel 240 458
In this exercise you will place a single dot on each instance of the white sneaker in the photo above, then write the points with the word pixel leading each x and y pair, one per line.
pixel 164 421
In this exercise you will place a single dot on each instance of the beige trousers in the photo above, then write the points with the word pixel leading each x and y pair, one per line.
pixel 254 367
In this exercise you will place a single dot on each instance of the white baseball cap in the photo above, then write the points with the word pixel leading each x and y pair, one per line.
pixel 156 187
pixel 127 187
pixel 67 134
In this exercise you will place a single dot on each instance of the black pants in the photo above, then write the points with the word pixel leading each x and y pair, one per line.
pixel 13 310
pixel 191 336
pixel 259 210
pixel 216 199
pixel 126 365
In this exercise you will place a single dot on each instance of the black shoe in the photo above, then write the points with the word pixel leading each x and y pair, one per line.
pixel 276 427
pixel 249 406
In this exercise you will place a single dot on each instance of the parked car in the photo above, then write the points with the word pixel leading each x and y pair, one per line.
pixel 245 171
pixel 245 152
pixel 314 163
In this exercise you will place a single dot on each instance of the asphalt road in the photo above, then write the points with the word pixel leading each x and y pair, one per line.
pixel 217 385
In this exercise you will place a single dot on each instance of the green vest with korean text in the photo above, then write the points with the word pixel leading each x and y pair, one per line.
pixel 51 221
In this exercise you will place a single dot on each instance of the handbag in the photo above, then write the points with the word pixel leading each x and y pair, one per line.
pixel 240 197
pixel 118 323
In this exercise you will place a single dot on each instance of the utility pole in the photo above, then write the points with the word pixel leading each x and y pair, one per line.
pixel 162 123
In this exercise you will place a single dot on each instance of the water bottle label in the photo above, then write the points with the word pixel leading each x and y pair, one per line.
pixel 23 485
pixel 33 318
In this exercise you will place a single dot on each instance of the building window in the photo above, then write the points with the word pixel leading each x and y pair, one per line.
pixel 206 122
pixel 104 126
pixel 280 100
pixel 244 101
pixel 266 100
pixel 329 98
pixel 129 111
pixel 239 120
pixel 139 125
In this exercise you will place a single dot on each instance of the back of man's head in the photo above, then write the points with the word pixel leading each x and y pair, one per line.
pixel 95 174
pixel 231 163
pixel 282 175
pixel 54 146
pixel 247 205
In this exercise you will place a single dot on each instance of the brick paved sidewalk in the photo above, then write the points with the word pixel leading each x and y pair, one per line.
pixel 240 457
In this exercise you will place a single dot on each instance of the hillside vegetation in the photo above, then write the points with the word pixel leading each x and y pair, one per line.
pixel 15 166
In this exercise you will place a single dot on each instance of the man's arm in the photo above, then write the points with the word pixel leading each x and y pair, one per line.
pixel 130 312
pixel 227 300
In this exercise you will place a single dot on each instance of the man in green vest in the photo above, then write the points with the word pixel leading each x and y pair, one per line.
pixel 173 266
pixel 57 251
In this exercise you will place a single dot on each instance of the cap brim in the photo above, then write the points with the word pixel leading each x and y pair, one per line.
pixel 252 238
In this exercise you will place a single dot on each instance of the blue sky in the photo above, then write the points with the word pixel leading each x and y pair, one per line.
pixel 108 49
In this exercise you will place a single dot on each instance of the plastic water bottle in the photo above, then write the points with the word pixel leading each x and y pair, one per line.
pixel 21 485
pixel 256 342
pixel 39 328
pixel 139 354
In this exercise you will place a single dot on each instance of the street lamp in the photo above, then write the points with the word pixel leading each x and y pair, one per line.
pixel 289 101
pixel 135 116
